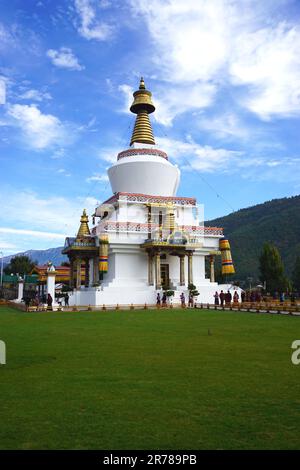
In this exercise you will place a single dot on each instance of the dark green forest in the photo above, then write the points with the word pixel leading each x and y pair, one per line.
pixel 276 221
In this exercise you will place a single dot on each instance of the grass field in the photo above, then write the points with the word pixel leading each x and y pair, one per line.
pixel 149 380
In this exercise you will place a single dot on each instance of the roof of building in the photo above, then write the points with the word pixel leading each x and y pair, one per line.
pixel 14 278
pixel 62 273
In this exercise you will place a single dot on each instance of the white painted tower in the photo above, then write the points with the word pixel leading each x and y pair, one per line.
pixel 156 240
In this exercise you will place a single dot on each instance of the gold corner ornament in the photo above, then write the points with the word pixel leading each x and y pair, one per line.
pixel 142 106
pixel 84 229
pixel 227 264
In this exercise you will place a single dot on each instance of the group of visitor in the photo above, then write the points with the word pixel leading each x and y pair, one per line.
pixel 250 297
pixel 161 301
pixel 226 297
pixel 38 301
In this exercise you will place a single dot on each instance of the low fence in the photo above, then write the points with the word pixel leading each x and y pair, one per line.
pixel 86 308
pixel 260 307
pixel 254 307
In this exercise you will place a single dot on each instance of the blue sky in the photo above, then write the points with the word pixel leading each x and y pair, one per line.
pixel 225 78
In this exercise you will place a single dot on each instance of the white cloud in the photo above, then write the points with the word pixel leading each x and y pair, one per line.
pixel 269 62
pixel 35 95
pixel 109 154
pixel 64 58
pixel 6 37
pixel 206 159
pixel 58 153
pixel 99 178
pixel 2 90
pixel 90 27
pixel 172 101
pixel 194 156
pixel 222 43
pixel 227 125
pixel 4 245
pixel 40 130
pixel 29 221
pixel 55 216
pixel 63 172
pixel 32 233
pixel 128 98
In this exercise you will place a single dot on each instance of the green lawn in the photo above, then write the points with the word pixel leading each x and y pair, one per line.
pixel 149 380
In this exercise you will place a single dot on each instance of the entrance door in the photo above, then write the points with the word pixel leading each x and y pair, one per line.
pixel 164 272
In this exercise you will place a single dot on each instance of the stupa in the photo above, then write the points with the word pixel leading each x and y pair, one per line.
pixel 146 239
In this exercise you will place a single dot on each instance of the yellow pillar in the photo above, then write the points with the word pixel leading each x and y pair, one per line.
pixel 71 280
pixel 190 267
pixel 182 274
pixel 212 268
pixel 95 270
pixel 78 274
pixel 157 271
pixel 150 269
pixel 87 272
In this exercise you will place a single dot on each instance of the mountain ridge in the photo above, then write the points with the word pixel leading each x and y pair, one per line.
pixel 276 221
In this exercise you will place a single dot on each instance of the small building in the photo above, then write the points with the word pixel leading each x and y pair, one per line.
pixel 62 276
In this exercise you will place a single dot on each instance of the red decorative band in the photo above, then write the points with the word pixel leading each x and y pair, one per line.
pixel 134 152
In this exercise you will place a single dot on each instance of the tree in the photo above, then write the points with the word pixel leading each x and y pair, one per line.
pixel 20 265
pixel 296 274
pixel 192 290
pixel 272 269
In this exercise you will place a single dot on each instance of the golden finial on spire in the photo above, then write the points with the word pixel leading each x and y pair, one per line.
pixel 142 84
pixel 84 229
pixel 142 106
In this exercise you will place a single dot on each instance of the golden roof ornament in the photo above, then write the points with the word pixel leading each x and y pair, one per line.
pixel 142 106
pixel 84 229
pixel 169 221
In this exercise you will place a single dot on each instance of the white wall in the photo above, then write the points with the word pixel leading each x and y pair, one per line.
pixel 145 175
pixel 127 265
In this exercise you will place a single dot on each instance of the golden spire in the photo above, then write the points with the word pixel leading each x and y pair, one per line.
pixel 142 106
pixel 84 226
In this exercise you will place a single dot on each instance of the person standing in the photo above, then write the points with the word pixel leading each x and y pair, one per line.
pixel 235 297
pixel 158 299
pixel 182 298
pixel 216 296
pixel 228 298
pixel 164 300
pixel 222 297
pixel 67 300
pixel 49 301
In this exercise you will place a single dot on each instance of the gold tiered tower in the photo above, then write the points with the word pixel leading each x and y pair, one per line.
pixel 84 229
pixel 142 106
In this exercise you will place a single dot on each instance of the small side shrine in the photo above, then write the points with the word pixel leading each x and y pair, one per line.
pixel 83 249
